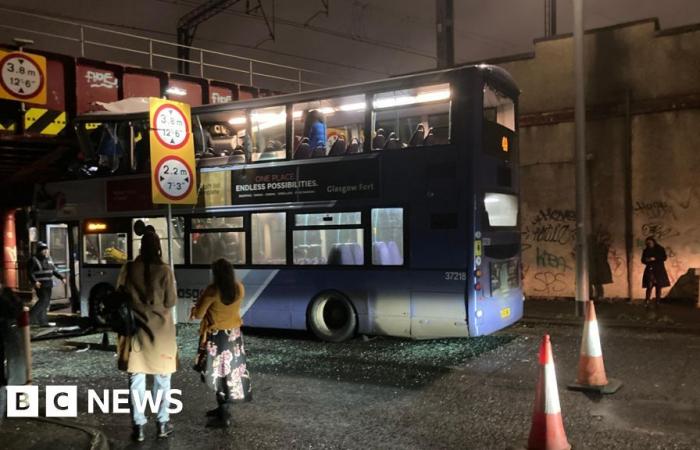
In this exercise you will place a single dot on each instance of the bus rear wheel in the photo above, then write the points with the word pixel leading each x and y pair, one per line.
pixel 331 317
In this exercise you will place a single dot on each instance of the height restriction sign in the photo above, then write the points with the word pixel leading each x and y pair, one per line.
pixel 173 176
pixel 23 77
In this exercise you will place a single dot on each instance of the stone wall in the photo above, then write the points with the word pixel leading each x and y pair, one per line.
pixel 656 140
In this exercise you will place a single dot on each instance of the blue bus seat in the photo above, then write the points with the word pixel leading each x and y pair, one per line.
pixel 358 253
pixel 395 257
pixel 380 254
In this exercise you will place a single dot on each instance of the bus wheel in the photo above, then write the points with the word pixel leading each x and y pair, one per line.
pixel 98 305
pixel 332 317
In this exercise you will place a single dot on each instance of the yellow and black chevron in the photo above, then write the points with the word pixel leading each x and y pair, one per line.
pixel 44 121
pixel 8 125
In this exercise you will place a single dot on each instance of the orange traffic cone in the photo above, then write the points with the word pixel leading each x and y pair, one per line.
pixel 591 369
pixel 547 431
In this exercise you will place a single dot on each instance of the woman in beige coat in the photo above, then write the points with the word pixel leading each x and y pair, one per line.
pixel 153 349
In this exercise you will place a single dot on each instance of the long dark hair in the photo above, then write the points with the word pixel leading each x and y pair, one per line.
pixel 150 253
pixel 312 117
pixel 225 281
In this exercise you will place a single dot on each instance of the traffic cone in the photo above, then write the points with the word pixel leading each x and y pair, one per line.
pixel 547 431
pixel 591 369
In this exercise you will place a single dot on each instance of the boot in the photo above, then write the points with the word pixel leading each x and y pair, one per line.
pixel 164 429
pixel 138 433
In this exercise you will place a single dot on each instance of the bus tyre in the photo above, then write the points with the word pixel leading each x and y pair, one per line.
pixel 331 317
pixel 98 304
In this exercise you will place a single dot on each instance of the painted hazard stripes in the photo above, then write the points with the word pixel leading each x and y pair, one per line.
pixel 44 121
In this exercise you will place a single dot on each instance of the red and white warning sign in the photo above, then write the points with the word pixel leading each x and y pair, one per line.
pixel 23 77
pixel 174 177
pixel 171 125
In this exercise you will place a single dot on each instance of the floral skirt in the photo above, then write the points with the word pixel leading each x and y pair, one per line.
pixel 226 372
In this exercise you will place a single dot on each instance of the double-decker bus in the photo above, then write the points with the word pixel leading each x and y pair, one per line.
pixel 385 208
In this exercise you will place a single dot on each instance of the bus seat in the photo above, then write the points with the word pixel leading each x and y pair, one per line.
pixel 380 253
pixel 339 148
pixel 318 152
pixel 430 137
pixel 303 151
pixel 358 253
pixel 395 257
pixel 379 140
pixel 441 135
pixel 301 254
pixel 354 147
pixel 393 143
pixel 418 136
pixel 341 254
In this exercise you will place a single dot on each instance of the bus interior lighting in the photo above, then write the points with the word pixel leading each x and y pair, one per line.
pixel 403 100
pixel 237 121
pixel 353 106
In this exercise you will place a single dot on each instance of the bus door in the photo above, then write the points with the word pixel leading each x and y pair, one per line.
pixel 57 238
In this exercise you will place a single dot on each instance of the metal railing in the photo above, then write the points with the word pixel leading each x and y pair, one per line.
pixel 83 37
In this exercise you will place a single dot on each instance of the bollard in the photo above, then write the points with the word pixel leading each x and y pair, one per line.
pixel 23 324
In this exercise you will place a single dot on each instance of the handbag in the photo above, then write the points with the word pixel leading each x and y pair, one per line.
pixel 120 315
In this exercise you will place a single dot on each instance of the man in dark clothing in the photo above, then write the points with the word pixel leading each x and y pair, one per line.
pixel 41 273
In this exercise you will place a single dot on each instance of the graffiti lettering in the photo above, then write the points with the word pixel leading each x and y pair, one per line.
pixel 552 261
pixel 554 215
pixel 549 283
pixel 658 231
pixel 655 209
pixel 101 79
pixel 556 233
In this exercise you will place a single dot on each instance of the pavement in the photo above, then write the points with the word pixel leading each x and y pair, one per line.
pixel 383 393
pixel 665 316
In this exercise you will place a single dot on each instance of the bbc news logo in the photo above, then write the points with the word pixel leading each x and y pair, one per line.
pixel 62 401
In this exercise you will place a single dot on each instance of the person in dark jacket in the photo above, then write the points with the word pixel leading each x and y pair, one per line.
pixel 600 272
pixel 41 273
pixel 655 276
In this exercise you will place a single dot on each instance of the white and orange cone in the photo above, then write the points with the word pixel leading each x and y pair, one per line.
pixel 591 369
pixel 547 431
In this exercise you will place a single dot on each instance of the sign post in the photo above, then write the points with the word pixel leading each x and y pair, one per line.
pixel 173 174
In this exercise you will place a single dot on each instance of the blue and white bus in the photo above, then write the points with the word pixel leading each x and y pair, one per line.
pixel 383 208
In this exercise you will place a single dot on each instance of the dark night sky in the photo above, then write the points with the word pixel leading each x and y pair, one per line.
pixel 360 39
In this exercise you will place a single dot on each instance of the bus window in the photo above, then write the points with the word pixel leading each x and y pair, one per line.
pixel 418 117
pixel 211 240
pixel 269 126
pixel 160 225
pixel 498 108
pixel 332 127
pixel 268 238
pixel 504 276
pixel 387 236
pixel 325 242
pixel 501 209
pixel 226 139
pixel 104 248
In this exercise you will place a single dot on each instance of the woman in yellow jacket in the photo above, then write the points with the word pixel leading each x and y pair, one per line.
pixel 219 307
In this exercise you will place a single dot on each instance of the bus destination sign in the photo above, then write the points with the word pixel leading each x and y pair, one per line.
pixel 358 178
